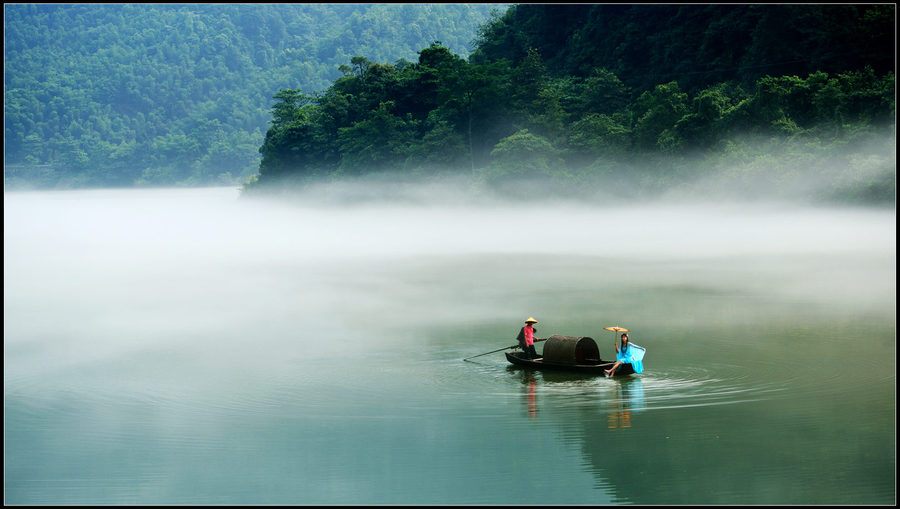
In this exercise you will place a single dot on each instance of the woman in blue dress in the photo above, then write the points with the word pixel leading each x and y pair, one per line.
pixel 623 356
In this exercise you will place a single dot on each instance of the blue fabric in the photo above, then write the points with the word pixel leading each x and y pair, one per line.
pixel 625 355
pixel 637 351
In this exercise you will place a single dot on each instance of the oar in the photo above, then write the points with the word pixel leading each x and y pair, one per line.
pixel 499 349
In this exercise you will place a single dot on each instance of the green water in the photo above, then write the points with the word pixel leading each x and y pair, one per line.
pixel 182 347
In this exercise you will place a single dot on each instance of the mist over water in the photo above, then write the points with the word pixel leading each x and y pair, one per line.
pixel 170 322
pixel 152 262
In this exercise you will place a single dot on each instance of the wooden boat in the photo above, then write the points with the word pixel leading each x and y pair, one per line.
pixel 568 353
pixel 597 367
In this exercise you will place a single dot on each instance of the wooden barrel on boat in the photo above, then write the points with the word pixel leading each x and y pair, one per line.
pixel 571 350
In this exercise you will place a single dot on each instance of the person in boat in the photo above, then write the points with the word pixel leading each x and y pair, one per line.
pixel 526 338
pixel 623 355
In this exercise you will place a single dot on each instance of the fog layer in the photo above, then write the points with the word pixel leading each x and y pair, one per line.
pixel 98 272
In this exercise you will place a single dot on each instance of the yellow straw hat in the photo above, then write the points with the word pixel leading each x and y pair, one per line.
pixel 531 320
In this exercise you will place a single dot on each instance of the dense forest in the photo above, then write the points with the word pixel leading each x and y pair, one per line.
pixel 631 99
pixel 99 95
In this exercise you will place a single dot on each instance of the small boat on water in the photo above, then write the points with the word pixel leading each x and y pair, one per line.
pixel 569 353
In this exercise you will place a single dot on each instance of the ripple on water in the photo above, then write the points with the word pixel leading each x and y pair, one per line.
pixel 656 389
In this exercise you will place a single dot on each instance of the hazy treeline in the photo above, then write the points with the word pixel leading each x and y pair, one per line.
pixel 642 99
pixel 161 94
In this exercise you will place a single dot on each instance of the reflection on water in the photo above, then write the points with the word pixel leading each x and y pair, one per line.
pixel 180 348
pixel 531 385
pixel 629 398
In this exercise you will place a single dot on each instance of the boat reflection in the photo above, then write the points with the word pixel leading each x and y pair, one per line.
pixel 629 398
pixel 530 382
pixel 626 399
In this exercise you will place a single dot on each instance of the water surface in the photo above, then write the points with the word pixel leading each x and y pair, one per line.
pixel 188 347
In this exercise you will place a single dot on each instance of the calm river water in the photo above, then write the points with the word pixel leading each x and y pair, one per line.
pixel 189 347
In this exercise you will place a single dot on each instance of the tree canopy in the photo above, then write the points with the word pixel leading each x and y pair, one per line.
pixel 641 97
pixel 179 94
pixel 528 103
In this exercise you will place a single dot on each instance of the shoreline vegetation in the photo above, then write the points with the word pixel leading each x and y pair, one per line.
pixel 529 113
pixel 785 102
pixel 860 171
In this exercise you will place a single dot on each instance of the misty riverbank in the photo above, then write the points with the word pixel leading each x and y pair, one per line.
pixel 858 172
pixel 363 218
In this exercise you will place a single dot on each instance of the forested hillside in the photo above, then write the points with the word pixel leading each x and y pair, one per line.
pixel 633 100
pixel 180 94
pixel 696 45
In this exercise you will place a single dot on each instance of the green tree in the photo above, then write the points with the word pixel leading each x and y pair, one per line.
pixel 529 81
pixel 597 134
pixel 289 107
pixel 524 155
pixel 374 143
pixel 702 126
pixel 656 112
pixel 603 92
